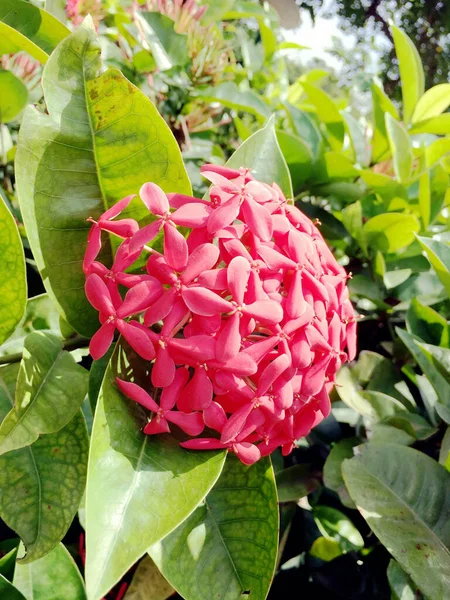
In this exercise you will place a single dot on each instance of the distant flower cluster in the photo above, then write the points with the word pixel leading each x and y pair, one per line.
pixel 76 10
pixel 246 320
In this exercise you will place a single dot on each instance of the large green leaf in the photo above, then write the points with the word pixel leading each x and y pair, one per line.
pixel 401 148
pixel 13 96
pixel 53 577
pixel 381 105
pixel 228 546
pixel 438 253
pixel 8 591
pixel 403 495
pixel 41 485
pixel 50 390
pixel 389 232
pixel 306 129
pixel 139 487
pixel 411 72
pixel 432 103
pixel 261 153
pixel 427 324
pixel 297 156
pixel 231 96
pixel 438 125
pixel 168 47
pixel 13 284
pixel 100 142
pixel 26 27
pixel 332 472
pixel 329 113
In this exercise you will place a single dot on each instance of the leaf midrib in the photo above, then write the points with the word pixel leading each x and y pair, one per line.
pixel 440 543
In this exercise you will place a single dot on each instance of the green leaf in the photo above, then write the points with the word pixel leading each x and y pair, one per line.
pixel 389 232
pixel 261 153
pixel 53 577
pixel 401 148
pixel 40 315
pixel 352 219
pixel 50 390
pixel 13 96
pixel 332 473
pixel 96 375
pixel 427 324
pixel 126 469
pixel 306 129
pixel 73 164
pixel 26 27
pixel 13 284
pixel 381 105
pixel 297 156
pixel 8 564
pixel 438 253
pixel 444 453
pixel 325 548
pixel 413 424
pixel 57 8
pixel 231 96
pixel 411 72
pixel 228 545
pixel 295 482
pixel 436 150
pixel 329 113
pixel 8 591
pixel 402 586
pixel 387 434
pixel 41 485
pixel 169 48
pixel 403 495
pixel 332 523
pixel 148 583
pixel 434 102
pixel 338 166
pixel 437 380
pixel 438 125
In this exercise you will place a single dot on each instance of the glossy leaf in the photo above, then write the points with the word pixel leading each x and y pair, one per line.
pixel 126 470
pixel 401 149
pixel 13 96
pixel 403 495
pixel 168 47
pixel 332 523
pixel 328 112
pixel 411 72
pixel 7 590
pixel 389 232
pixel 13 285
pixel 231 96
pixel 50 390
pixel 228 546
pixel 438 253
pixel 434 102
pixel 52 577
pixel 41 485
pixel 427 324
pixel 26 27
pixel 148 582
pixel 261 153
pixel 72 164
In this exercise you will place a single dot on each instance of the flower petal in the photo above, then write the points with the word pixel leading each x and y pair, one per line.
pixel 102 340
pixel 170 394
pixel 229 340
pixel 203 258
pixel 175 247
pixel 138 338
pixel 94 245
pixel 205 302
pixel 214 416
pixel 246 452
pixel 138 394
pixel 163 371
pixel 224 215
pixel 117 208
pixel 198 393
pixel 238 274
pixel 145 235
pixel 191 215
pixel 193 350
pixel 268 312
pixel 157 425
pixel 98 294
pixel 204 444
pixel 140 297
pixel 191 423
pixel 271 373
pixel 235 423
pixel 258 219
pixel 154 199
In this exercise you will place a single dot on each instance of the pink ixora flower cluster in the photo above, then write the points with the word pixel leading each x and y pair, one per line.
pixel 246 320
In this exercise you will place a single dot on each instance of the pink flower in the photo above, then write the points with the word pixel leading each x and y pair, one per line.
pixel 245 323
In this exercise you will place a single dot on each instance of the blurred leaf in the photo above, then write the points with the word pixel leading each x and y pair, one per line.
pixel 13 283
pixel 401 584
pixel 13 96
pixel 325 548
pixel 387 434
pixel 52 577
pixel 269 40
pixel 438 253
pixel 229 543
pixel 332 523
pixel 57 8
pixel 352 219
pixel 261 153
pixel 434 102
pixel 393 279
pixel 71 165
pixel 169 48
pixel 411 72
pixel 381 106
pixel 297 156
pixel 50 390
pixel 26 27
pixel 390 231
pixel 148 583
pixel 436 150
pixel 443 412
pixel 425 198
pixel 358 141
pixel 338 166
pixel 230 95
pixel 306 130
pixel 119 525
pixel 403 495
pixel 429 398
pixel 427 324
pixel 332 473
pixel 328 113
pixel 444 454
pixel 401 149
pixel 413 424
pixel 295 482
pixel 438 125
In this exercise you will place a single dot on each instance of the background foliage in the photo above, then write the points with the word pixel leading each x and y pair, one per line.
pixel 150 91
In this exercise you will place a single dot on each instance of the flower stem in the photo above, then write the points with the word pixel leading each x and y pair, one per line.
pixel 70 344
